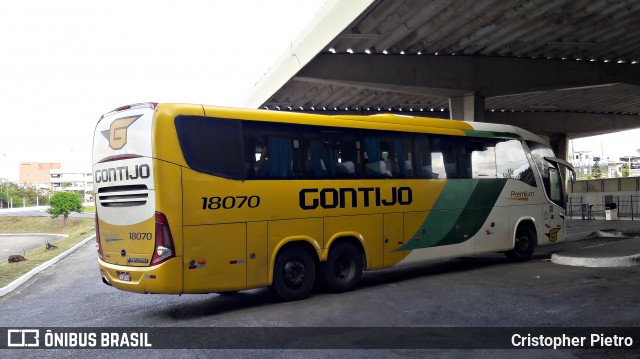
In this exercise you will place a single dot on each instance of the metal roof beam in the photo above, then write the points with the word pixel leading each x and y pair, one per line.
pixel 449 76
pixel 575 125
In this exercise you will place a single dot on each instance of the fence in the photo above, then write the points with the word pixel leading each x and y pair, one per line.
pixel 605 185
pixel 579 207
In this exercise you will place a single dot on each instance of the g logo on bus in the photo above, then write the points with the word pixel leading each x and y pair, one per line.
pixel 117 133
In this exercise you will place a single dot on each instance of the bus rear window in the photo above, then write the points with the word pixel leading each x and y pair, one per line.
pixel 211 145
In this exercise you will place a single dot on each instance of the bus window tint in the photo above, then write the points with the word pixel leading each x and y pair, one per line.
pixel 555 186
pixel 211 145
pixel 402 162
pixel 271 150
pixel 330 153
pixel 483 158
pixel 539 151
pixel 512 162
pixel 375 156
pixel 387 155
pixel 445 154
pixel 429 162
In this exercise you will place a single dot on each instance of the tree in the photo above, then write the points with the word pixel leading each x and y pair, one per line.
pixel 63 203
pixel 595 171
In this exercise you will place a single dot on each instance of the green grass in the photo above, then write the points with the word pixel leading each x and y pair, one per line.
pixel 77 229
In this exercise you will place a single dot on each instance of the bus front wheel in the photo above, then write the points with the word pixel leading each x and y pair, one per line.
pixel 525 244
pixel 343 269
pixel 294 273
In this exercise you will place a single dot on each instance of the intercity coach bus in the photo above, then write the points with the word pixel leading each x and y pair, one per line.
pixel 203 199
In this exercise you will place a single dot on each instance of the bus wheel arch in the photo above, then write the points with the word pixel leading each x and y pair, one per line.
pixel 294 271
pixel 346 260
pixel 525 242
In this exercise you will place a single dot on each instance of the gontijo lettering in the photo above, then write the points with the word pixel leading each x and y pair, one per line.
pixel 122 173
pixel 312 198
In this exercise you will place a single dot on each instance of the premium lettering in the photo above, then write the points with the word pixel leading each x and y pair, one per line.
pixel 523 194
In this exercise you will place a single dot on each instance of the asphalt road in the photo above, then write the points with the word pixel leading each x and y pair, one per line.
pixel 484 291
pixel 20 243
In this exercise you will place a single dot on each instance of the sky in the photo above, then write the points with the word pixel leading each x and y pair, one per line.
pixel 64 63
pixel 610 146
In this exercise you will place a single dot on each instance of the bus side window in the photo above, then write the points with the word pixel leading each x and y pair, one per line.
pixel 512 162
pixel 444 151
pixel 375 157
pixel 330 153
pixel 387 154
pixel 422 150
pixel 483 158
pixel 316 159
pixel 401 157
pixel 220 157
pixel 254 151
pixel 271 150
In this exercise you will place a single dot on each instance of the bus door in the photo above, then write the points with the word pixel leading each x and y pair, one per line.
pixel 554 212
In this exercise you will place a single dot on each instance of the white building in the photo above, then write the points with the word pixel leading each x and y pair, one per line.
pixel 74 181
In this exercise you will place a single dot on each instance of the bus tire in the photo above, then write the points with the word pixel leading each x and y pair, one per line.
pixel 524 246
pixel 343 269
pixel 294 273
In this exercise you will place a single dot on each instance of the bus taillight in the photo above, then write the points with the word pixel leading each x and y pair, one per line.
pixel 98 245
pixel 164 249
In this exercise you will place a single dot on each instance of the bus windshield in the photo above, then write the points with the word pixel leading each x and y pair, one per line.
pixel 550 174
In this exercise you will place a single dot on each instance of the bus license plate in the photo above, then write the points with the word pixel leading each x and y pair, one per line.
pixel 125 277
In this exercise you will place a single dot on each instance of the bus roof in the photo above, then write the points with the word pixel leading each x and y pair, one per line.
pixel 378 121
pixel 483 129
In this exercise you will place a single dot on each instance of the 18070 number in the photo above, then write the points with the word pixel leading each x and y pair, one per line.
pixel 230 202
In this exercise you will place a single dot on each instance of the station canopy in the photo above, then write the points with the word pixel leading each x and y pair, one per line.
pixel 552 66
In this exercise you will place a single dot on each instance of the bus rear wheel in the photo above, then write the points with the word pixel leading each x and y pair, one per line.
pixel 294 273
pixel 343 269
pixel 524 246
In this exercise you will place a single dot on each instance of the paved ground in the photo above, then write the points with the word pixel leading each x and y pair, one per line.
pixel 484 291
pixel 20 243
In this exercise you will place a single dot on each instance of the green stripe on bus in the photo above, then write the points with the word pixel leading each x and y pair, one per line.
pixel 458 214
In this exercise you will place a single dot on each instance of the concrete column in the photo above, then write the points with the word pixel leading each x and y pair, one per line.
pixel 467 108
pixel 560 145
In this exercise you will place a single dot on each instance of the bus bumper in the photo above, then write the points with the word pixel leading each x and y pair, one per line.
pixel 164 278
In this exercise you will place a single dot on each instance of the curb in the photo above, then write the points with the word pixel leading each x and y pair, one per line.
pixel 35 234
pixel 622 253
pixel 622 261
pixel 25 277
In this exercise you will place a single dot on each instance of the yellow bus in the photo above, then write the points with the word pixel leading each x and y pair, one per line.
pixel 204 199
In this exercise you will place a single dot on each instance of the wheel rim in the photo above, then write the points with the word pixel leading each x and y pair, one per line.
pixel 294 273
pixel 345 268
pixel 523 243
